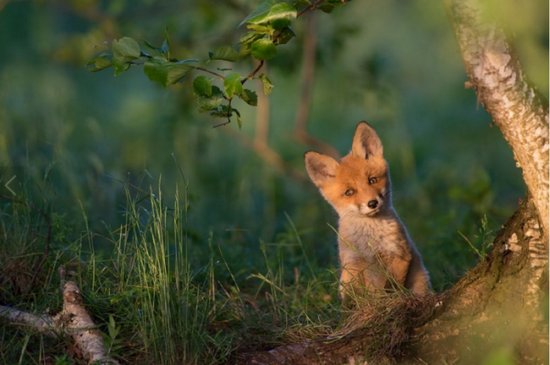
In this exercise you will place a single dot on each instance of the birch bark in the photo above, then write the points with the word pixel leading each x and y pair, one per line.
pixel 517 107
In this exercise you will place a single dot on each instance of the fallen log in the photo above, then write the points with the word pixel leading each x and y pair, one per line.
pixel 73 321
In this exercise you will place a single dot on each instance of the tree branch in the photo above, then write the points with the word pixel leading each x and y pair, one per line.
pixel 517 107
pixel 253 73
pixel 309 61
pixel 43 325
pixel 73 320
pixel 312 6
pixel 210 72
pixel 262 116
pixel 271 157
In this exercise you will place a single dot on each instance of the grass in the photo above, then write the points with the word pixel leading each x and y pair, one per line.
pixel 161 295
pixel 165 289
pixel 158 298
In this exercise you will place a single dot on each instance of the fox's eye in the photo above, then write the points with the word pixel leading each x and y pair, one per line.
pixel 372 180
pixel 350 192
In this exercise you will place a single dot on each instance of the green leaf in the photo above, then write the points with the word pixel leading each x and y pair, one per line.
pixel 286 35
pixel 222 112
pixel 280 15
pixel 249 37
pixel 225 53
pixel 178 72
pixel 276 12
pixel 263 49
pixel 165 72
pixel 166 44
pixel 125 50
pixel 262 29
pixel 300 3
pixel 233 85
pixel 239 120
pixel 156 71
pixel 164 48
pixel 208 104
pixel 267 84
pixel 100 63
pixel 261 11
pixel 326 8
pixel 279 24
pixel 212 102
pixel 202 86
pixel 250 97
pixel 244 51
pixel 126 47
pixel 120 67
pixel 150 46
pixel 186 61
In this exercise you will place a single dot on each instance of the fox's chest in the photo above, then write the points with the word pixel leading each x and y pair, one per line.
pixel 371 238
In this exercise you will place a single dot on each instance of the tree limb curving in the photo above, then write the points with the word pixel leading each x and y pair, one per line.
pixel 517 107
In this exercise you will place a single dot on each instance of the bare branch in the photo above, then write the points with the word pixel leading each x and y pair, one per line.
pixel 271 157
pixel 210 72
pixel 43 325
pixel 73 320
pixel 308 78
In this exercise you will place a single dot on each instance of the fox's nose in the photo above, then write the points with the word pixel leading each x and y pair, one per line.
pixel 372 204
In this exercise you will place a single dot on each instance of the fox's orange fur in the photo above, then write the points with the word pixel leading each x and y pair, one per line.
pixel 374 246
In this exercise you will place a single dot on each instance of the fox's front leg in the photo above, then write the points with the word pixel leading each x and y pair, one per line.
pixel 397 268
pixel 358 276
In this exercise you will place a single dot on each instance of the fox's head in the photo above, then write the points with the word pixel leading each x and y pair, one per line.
pixel 359 185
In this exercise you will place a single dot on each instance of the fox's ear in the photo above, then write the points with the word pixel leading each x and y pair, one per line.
pixel 366 142
pixel 321 168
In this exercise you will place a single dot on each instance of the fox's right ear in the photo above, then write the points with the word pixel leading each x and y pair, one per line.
pixel 321 168
pixel 366 142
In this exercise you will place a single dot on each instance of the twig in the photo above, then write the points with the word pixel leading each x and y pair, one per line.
pixel 229 111
pixel 312 6
pixel 48 236
pixel 210 72
pixel 262 117
pixel 251 76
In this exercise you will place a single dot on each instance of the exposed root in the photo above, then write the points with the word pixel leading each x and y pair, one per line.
pixel 376 331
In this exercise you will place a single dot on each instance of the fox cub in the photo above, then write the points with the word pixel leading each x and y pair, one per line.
pixel 374 246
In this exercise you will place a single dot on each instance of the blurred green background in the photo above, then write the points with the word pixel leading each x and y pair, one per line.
pixel 80 137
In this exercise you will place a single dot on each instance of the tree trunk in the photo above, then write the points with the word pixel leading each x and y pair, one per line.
pixel 516 107
pixel 498 304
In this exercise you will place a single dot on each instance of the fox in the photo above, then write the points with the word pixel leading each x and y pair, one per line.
pixel 374 246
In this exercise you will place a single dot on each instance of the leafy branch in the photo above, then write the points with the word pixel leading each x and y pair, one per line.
pixel 269 26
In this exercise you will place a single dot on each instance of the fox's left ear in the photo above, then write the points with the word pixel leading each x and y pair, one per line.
pixel 366 142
